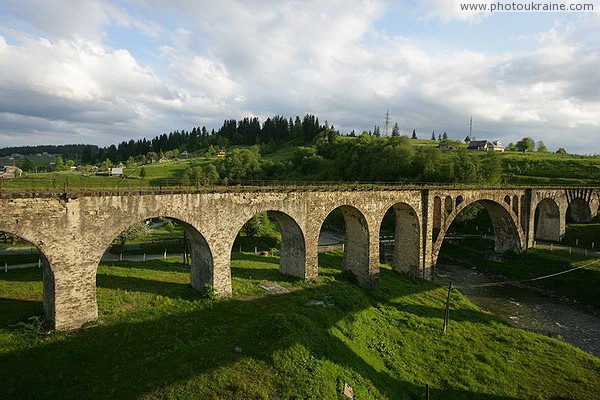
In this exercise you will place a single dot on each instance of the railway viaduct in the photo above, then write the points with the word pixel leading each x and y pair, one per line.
pixel 73 230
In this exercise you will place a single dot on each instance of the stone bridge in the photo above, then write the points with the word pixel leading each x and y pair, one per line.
pixel 73 231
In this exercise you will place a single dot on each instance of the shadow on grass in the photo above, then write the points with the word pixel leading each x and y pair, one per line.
pixel 13 311
pixel 29 274
pixel 155 265
pixel 132 284
pixel 128 360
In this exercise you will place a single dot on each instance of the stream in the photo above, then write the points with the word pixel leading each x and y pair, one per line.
pixel 525 307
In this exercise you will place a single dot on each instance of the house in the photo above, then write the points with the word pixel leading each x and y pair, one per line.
pixel 184 154
pixel 445 146
pixel 485 145
pixel 116 172
pixel 9 172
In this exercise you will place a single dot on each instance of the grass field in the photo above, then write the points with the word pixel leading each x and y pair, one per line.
pixel 158 339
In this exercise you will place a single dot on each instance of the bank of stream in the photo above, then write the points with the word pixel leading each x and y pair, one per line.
pixel 525 307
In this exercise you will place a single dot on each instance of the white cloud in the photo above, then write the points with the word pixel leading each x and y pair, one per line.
pixel 217 60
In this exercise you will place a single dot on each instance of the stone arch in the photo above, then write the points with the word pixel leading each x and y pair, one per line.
pixel 547 220
pixel 357 247
pixel 579 211
pixel 292 259
pixel 507 199
pixel 201 266
pixel 48 281
pixel 407 239
pixel 459 200
pixel 515 204
pixel 508 234
pixel 523 213
pixel 437 217
pixel 448 205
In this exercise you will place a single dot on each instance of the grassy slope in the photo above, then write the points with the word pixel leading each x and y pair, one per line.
pixel 519 168
pixel 157 339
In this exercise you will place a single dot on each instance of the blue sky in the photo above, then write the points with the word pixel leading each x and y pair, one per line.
pixel 100 71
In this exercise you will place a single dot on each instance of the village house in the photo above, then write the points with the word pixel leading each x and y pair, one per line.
pixel 485 145
pixel 116 172
pixel 9 172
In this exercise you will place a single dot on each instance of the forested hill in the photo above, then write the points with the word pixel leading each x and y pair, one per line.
pixel 248 131
pixel 72 151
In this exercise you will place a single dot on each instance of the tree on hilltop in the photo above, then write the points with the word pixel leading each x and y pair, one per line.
pixel 525 144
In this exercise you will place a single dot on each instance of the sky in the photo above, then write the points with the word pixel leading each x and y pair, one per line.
pixel 104 71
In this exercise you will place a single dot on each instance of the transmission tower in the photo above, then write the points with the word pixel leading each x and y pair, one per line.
pixel 471 129
pixel 387 123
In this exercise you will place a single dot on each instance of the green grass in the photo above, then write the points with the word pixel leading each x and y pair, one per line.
pixel 582 235
pixel 157 338
pixel 580 285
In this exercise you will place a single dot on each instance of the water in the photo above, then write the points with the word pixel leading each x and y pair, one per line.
pixel 526 308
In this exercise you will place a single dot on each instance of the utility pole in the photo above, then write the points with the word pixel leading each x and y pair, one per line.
pixel 471 129
pixel 387 123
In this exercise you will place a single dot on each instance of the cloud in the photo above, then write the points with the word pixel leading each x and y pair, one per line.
pixel 208 61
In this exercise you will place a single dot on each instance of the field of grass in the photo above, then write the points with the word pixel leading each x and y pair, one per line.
pixel 157 338
pixel 582 235
pixel 549 168
pixel 530 168
pixel 580 285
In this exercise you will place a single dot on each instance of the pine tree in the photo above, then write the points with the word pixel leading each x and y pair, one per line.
pixel 445 136
pixel 433 135
pixel 395 130
pixel 414 134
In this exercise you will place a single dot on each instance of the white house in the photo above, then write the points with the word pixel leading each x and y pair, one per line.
pixel 116 172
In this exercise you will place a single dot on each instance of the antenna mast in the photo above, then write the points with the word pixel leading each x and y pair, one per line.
pixel 471 129
pixel 387 122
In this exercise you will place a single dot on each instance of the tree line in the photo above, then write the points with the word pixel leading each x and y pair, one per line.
pixel 247 131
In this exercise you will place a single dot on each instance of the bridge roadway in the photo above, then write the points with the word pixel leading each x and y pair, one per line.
pixel 72 230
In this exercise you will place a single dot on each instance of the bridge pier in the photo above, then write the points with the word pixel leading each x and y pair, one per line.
pixel 70 296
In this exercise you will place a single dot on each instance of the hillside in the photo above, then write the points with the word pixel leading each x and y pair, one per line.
pixel 157 339
pixel 329 158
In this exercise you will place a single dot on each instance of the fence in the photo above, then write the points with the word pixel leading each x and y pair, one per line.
pixel 77 186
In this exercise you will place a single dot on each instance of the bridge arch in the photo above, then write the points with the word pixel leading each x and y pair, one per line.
pixel 547 220
pixel 201 259
pixel 508 233
pixel 406 252
pixel 357 246
pixel 47 273
pixel 292 260
pixel 579 211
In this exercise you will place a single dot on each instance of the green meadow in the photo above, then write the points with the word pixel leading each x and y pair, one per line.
pixel 156 338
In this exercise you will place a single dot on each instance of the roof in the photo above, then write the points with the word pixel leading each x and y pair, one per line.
pixel 115 171
pixel 478 143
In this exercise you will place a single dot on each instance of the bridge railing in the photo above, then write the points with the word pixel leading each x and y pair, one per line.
pixel 85 185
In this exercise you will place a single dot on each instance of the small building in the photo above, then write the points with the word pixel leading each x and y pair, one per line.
pixel 9 172
pixel 445 146
pixel 116 172
pixel 184 154
pixel 485 145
